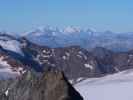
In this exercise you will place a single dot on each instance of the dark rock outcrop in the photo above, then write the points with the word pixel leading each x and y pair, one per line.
pixel 77 63
pixel 52 85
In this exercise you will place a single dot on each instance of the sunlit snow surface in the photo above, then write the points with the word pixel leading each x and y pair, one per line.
pixel 112 87
pixel 11 45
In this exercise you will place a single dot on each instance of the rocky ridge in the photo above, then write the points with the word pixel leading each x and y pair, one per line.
pixel 51 85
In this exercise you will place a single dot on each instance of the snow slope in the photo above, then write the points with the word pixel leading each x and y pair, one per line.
pixel 112 87
pixel 9 43
pixel 7 71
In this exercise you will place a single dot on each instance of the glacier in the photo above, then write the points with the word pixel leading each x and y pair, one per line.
pixel 118 86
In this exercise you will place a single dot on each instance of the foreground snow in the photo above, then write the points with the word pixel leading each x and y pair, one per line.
pixel 112 87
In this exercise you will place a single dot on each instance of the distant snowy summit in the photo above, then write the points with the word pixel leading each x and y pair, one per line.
pixel 56 37
pixel 49 29
pixel 87 38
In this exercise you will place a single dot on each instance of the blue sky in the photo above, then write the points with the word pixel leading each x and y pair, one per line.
pixel 23 15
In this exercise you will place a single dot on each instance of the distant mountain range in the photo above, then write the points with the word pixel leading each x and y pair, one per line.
pixel 86 38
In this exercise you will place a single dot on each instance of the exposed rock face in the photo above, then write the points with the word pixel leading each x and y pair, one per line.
pixel 77 63
pixel 52 85
pixel 74 61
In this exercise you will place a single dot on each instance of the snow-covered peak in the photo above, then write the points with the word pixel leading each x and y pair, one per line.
pixel 43 30
pixel 72 29
pixel 49 30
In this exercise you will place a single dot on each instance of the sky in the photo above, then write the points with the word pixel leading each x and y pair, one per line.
pixel 22 15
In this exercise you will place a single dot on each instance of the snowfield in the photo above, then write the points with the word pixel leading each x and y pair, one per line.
pixel 112 87
pixel 11 45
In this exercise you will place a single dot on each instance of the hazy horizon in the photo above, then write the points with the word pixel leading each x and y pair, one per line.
pixel 21 16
